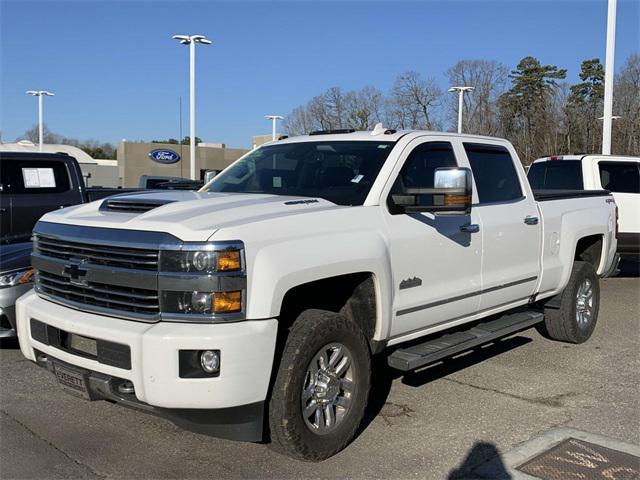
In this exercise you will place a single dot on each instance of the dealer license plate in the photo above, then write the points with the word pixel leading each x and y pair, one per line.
pixel 72 381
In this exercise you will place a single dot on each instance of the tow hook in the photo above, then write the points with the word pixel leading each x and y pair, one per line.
pixel 126 388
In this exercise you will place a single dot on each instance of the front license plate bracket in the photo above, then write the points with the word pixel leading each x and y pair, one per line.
pixel 72 381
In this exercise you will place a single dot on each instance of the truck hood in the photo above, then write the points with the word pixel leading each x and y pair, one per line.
pixel 187 215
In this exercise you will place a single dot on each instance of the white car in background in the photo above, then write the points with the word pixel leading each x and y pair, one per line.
pixel 618 174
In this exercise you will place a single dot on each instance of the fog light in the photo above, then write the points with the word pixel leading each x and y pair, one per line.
pixel 210 361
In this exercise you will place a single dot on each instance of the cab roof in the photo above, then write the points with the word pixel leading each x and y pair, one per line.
pixel 582 156
pixel 382 136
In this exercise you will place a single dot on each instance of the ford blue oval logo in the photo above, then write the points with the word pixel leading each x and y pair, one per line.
pixel 164 155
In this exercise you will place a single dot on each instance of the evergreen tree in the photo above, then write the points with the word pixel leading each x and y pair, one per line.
pixel 585 106
pixel 526 108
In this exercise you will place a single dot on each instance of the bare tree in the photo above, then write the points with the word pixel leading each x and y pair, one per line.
pixel 626 104
pixel 532 107
pixel 47 135
pixel 364 108
pixel 489 79
pixel 413 100
pixel 298 122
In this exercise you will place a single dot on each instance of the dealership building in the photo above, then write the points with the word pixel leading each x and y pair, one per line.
pixel 170 160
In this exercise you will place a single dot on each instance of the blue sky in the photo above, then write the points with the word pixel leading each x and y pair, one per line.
pixel 117 73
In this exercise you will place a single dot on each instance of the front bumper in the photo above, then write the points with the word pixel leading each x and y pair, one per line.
pixel 244 422
pixel 246 352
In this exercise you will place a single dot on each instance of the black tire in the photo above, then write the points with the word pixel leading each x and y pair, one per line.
pixel 310 333
pixel 560 313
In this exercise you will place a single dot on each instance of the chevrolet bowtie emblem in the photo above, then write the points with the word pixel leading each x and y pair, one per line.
pixel 76 273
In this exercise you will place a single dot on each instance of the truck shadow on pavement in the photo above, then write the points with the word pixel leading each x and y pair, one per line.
pixel 384 376
pixel 9 344
pixel 628 268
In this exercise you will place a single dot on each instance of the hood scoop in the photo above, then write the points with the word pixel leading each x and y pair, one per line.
pixel 130 205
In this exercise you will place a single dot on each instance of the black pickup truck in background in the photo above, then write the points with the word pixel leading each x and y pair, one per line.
pixel 32 184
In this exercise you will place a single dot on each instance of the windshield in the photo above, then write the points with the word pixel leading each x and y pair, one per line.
pixel 341 172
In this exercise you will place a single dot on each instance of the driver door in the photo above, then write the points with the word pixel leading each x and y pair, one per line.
pixel 435 258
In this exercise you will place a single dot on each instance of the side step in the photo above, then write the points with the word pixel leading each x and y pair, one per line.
pixel 431 351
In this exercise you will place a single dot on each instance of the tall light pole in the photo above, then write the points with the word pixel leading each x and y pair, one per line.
pixel 191 40
pixel 40 94
pixel 274 119
pixel 460 91
pixel 608 78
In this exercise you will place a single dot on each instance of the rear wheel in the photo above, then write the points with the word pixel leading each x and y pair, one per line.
pixel 321 387
pixel 572 316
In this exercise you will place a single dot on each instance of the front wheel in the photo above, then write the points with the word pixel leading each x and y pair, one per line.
pixel 321 387
pixel 574 314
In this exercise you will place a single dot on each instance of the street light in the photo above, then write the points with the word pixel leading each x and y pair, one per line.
pixel 460 91
pixel 40 94
pixel 274 119
pixel 608 78
pixel 191 40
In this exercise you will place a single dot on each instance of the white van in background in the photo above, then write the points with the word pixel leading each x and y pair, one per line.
pixel 620 175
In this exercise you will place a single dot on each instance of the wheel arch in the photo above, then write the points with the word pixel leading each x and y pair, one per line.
pixel 590 249
pixel 354 295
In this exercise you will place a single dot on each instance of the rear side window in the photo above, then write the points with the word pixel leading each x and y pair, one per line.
pixel 494 173
pixel 620 177
pixel 33 177
pixel 556 175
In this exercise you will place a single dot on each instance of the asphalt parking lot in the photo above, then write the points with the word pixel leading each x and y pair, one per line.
pixel 442 422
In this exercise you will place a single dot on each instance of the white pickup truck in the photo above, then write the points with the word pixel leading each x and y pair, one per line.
pixel 618 174
pixel 252 309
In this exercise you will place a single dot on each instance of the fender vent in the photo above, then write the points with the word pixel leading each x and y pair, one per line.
pixel 132 206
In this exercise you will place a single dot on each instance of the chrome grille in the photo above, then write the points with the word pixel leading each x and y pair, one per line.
pixel 134 258
pixel 101 295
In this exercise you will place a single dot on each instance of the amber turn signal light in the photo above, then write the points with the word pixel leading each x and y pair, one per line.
pixel 228 260
pixel 227 302
pixel 455 200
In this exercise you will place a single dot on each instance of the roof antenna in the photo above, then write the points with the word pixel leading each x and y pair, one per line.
pixel 378 129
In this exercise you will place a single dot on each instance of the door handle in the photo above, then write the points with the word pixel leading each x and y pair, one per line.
pixel 531 220
pixel 470 228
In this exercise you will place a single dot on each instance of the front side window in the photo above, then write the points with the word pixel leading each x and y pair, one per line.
pixel 341 172
pixel 620 177
pixel 494 173
pixel 419 169
pixel 556 175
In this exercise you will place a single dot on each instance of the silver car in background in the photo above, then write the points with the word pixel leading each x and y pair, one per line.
pixel 16 278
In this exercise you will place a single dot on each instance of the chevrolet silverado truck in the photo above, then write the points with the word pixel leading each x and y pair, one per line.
pixel 252 308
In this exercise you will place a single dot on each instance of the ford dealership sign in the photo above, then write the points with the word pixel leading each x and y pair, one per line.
pixel 164 155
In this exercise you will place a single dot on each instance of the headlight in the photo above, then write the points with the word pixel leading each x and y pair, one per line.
pixel 202 303
pixel 201 261
pixel 12 279
pixel 203 281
